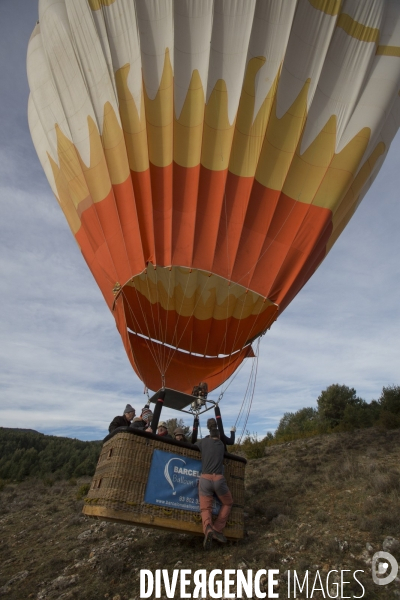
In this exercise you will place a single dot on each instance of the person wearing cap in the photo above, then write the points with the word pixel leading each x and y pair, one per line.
pixel 212 481
pixel 143 422
pixel 162 430
pixel 179 435
pixel 123 421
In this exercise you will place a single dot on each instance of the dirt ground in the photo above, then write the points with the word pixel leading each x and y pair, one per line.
pixel 321 504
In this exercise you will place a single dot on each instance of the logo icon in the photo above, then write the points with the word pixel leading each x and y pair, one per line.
pixel 380 565
pixel 167 475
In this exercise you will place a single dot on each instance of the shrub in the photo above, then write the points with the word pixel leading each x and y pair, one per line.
pixel 388 420
pixel 83 491
pixel 111 566
pixel 384 483
pixel 322 516
pixel 253 447
pixel 306 541
pixel 259 484
pixel 48 481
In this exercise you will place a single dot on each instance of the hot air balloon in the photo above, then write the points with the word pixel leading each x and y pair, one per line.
pixel 207 154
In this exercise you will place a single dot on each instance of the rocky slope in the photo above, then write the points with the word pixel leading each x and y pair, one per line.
pixel 319 504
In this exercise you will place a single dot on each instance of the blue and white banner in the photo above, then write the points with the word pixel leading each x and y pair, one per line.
pixel 173 482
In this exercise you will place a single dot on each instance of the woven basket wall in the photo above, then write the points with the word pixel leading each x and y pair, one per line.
pixel 118 487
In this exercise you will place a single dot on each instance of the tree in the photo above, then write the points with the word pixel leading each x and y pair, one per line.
pixel 301 421
pixel 333 401
pixel 25 453
pixel 358 416
pixel 172 424
pixel 389 404
pixel 390 399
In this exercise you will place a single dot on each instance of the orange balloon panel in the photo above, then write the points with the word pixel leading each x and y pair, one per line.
pixel 183 368
pixel 180 368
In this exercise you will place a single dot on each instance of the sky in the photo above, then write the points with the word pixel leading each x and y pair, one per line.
pixel 63 367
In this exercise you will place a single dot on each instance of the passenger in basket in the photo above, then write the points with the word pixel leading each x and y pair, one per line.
pixel 213 482
pixel 179 435
pixel 123 421
pixel 143 422
pixel 162 430
pixel 227 441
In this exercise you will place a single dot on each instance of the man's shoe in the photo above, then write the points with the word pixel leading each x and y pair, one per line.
pixel 208 538
pixel 219 537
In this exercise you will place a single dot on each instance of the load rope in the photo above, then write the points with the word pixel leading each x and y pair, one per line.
pixel 249 394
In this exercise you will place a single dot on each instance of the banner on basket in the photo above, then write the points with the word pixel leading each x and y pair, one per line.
pixel 173 482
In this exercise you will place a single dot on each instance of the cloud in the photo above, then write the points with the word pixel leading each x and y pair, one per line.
pixel 64 367
pixel 64 370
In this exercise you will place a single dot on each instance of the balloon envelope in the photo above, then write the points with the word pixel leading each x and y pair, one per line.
pixel 207 155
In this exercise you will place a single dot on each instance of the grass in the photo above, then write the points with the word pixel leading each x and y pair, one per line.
pixel 310 503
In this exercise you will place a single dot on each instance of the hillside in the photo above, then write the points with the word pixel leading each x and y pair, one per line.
pixel 27 453
pixel 311 504
pixel 19 430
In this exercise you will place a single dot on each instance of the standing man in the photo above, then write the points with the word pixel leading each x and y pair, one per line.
pixel 212 481
pixel 123 421
pixel 227 441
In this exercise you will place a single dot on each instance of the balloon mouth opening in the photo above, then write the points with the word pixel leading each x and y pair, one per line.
pixel 182 350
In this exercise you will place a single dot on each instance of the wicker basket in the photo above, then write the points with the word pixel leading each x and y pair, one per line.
pixel 118 487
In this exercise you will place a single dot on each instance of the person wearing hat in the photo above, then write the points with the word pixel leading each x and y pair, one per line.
pixel 123 421
pixel 162 430
pixel 212 481
pixel 143 422
pixel 179 435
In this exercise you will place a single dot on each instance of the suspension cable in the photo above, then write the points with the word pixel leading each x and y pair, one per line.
pixel 250 392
